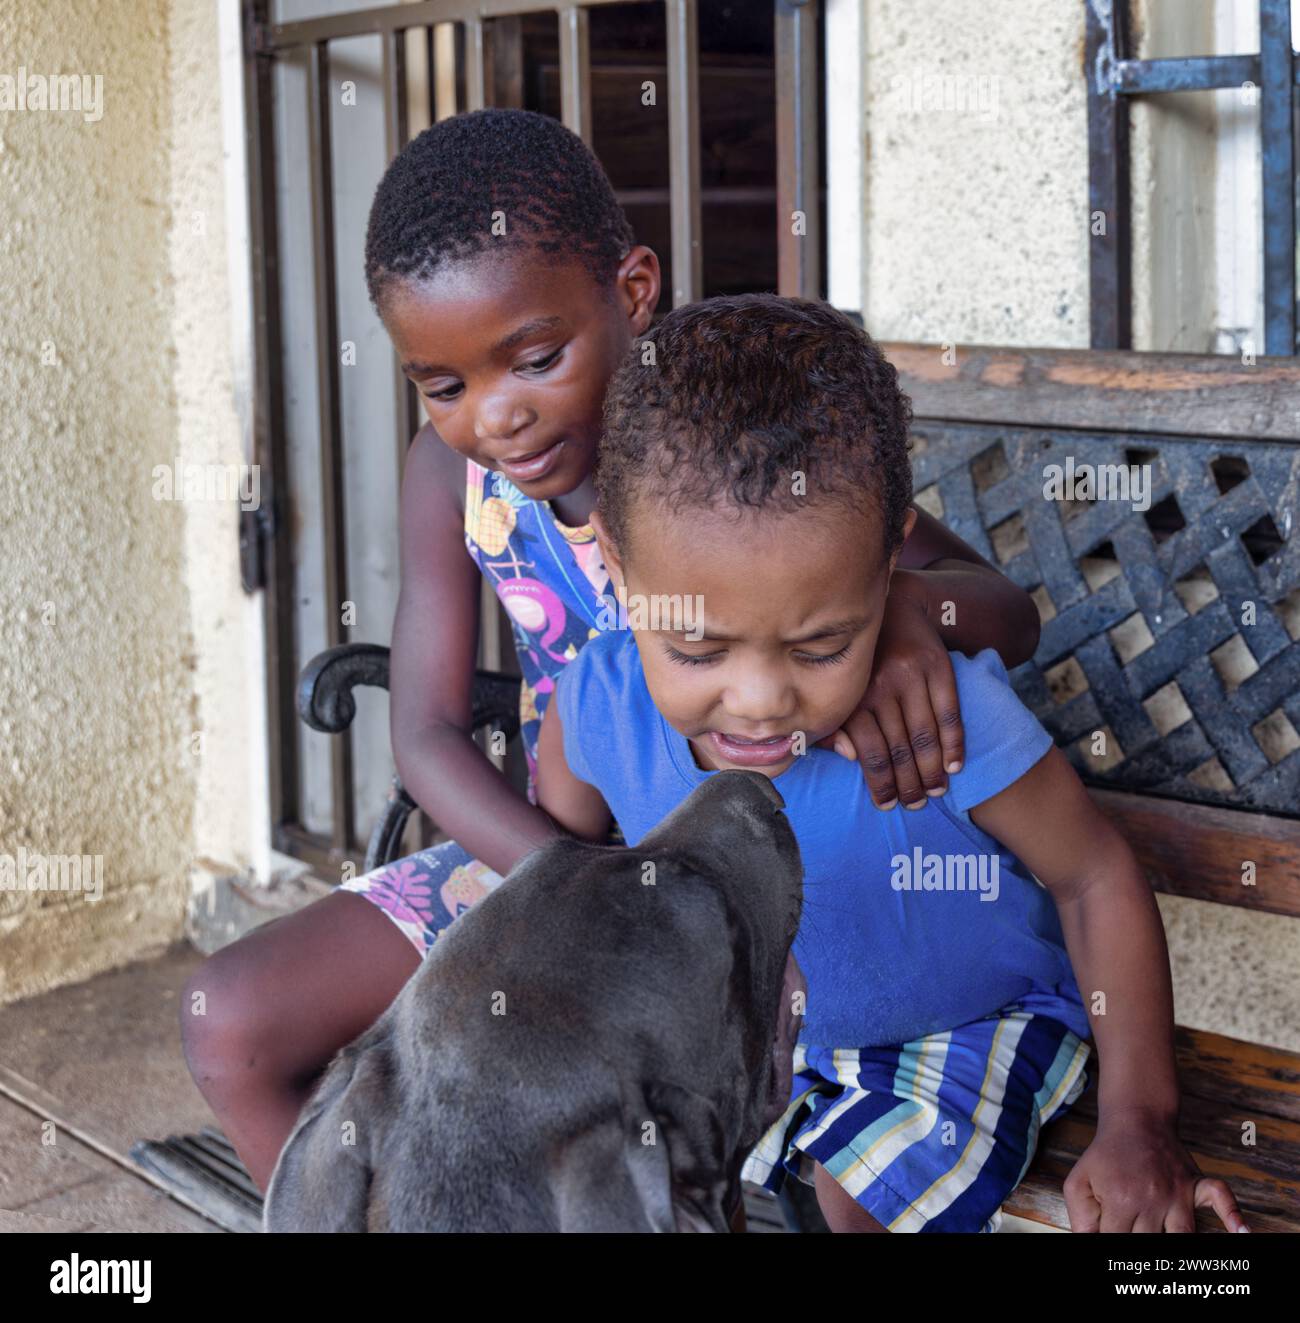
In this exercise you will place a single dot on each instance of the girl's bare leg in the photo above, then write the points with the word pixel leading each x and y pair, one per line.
pixel 277 1005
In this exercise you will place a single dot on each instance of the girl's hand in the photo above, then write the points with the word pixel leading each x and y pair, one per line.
pixel 1137 1176
pixel 906 731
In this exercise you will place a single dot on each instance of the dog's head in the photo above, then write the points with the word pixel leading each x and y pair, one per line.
pixel 620 1022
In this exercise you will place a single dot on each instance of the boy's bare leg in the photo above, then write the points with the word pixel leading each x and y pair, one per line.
pixel 841 1211
pixel 278 1004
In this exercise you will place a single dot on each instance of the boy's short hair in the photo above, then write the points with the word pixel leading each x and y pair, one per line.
pixel 436 200
pixel 746 391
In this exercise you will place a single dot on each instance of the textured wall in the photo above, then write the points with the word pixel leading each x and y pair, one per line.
pixel 102 685
pixel 977 173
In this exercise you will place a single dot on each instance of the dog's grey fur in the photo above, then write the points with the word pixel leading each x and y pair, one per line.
pixel 581 1051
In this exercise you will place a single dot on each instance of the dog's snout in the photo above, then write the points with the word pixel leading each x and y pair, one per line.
pixel 765 785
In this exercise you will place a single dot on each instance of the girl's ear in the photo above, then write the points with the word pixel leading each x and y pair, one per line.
pixel 640 280
pixel 608 551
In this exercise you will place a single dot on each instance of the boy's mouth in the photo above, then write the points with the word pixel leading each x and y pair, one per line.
pixel 530 467
pixel 751 753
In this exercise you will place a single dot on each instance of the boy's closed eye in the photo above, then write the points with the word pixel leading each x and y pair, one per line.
pixel 703 659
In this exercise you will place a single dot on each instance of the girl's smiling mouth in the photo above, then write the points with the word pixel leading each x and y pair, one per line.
pixel 533 466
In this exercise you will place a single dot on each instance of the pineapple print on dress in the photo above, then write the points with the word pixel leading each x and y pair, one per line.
pixel 549 578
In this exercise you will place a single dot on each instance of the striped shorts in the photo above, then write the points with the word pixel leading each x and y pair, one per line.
pixel 933 1135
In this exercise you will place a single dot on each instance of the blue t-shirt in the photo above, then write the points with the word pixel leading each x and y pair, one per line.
pixel 914 920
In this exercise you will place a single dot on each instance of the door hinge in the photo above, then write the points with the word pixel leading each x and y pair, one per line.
pixel 257 34
pixel 256 528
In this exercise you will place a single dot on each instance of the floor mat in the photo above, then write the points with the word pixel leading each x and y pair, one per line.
pixel 207 1171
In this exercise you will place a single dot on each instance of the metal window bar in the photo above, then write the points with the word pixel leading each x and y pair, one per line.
pixel 1112 77
pixel 491 57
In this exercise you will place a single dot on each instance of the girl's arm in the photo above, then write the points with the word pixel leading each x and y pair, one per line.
pixel 435 644
pixel 906 732
pixel 987 610
pixel 1136 1175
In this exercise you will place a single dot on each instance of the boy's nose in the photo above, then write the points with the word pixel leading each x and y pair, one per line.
pixel 760 706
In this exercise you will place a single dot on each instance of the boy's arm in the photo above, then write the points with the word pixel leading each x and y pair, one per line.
pixel 906 732
pixel 573 804
pixel 1136 1176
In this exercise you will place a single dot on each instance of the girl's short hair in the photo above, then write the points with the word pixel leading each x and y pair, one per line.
pixel 439 197
pixel 739 396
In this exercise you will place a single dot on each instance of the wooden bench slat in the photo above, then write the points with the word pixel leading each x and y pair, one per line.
pixel 1229 1072
pixel 1039 1199
pixel 1103 390
pixel 1225 1082
pixel 1197 850
pixel 1262 1178
pixel 1237 1073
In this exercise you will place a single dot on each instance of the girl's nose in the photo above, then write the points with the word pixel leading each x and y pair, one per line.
pixel 501 418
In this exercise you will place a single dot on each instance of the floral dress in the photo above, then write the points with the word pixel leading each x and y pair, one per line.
pixel 552 583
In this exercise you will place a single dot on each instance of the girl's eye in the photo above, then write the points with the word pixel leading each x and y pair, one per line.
pixel 685 658
pixel 540 363
pixel 439 395
pixel 831 658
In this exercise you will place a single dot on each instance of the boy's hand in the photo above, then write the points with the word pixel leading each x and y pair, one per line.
pixel 906 731
pixel 1137 1176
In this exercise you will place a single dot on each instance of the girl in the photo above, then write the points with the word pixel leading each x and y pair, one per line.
pixel 511 285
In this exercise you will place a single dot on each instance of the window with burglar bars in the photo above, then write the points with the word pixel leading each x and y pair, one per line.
pixel 1267 79
pixel 734 144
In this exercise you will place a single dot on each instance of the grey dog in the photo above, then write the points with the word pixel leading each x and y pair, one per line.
pixel 595 1046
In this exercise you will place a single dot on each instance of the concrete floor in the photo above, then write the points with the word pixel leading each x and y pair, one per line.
pixel 85 1071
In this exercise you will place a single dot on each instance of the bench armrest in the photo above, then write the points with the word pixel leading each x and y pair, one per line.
pixel 326 704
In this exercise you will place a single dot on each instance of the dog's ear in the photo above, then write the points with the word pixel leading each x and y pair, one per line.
pixel 660 1166
pixel 600 1181
pixel 690 1134
pixel 321 1181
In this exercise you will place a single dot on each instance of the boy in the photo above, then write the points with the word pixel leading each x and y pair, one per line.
pixel 756 466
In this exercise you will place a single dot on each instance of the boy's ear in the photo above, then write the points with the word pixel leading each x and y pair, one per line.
pixel 608 551
pixel 909 523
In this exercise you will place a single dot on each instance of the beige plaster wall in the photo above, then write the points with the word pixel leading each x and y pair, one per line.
pixel 976 173
pixel 117 617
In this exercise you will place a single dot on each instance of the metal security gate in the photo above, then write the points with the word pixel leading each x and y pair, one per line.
pixel 331 432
